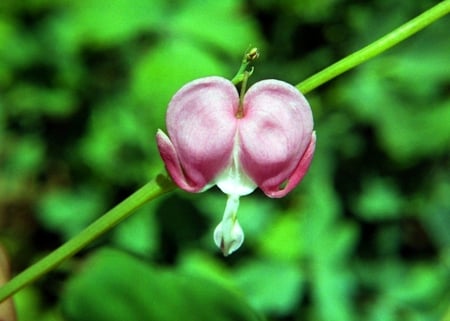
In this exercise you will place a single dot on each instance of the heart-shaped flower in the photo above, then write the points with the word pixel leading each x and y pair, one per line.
pixel 264 140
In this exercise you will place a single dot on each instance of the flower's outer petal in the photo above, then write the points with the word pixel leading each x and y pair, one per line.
pixel 274 132
pixel 173 166
pixel 297 175
pixel 201 124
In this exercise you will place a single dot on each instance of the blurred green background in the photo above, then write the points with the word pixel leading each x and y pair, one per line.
pixel 84 86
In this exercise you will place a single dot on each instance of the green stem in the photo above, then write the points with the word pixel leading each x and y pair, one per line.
pixel 155 188
pixel 375 48
pixel 240 111
pixel 249 57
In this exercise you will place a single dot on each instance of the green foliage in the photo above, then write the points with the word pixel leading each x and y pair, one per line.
pixel 84 85
pixel 259 279
pixel 121 287
pixel 69 212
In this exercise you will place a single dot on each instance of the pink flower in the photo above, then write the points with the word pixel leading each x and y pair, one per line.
pixel 265 140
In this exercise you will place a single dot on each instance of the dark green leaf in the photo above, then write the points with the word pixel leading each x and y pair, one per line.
pixel 115 286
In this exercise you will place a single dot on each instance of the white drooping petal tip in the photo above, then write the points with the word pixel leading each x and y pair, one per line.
pixel 229 235
pixel 228 241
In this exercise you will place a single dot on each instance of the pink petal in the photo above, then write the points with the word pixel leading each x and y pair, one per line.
pixel 274 133
pixel 295 178
pixel 173 166
pixel 201 124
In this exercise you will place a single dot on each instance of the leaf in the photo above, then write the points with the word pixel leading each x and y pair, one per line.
pixel 107 22
pixel 115 286
pixel 17 48
pixel 415 289
pixel 67 211
pixel 22 156
pixel 380 199
pixel 28 100
pixel 436 208
pixel 117 144
pixel 271 286
pixel 283 239
pixel 333 293
pixel 220 23
pixel 139 233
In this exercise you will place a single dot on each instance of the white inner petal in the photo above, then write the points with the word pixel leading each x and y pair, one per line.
pixel 233 180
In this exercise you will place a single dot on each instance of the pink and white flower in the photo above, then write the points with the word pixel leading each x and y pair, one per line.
pixel 264 140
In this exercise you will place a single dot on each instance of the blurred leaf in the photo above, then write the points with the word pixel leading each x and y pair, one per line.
pixel 17 47
pixel 271 287
pixel 220 23
pixel 194 262
pixel 337 245
pixel 312 10
pixel 421 133
pixel 116 286
pixel 436 208
pixel 379 200
pixel 30 100
pixel 107 22
pixel 333 293
pixel 28 304
pixel 21 156
pixel 420 284
pixel 283 239
pixel 334 284
pixel 303 10
pixel 118 144
pixel 414 291
pixel 139 233
pixel 68 211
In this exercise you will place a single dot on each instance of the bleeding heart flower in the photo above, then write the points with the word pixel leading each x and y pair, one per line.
pixel 264 140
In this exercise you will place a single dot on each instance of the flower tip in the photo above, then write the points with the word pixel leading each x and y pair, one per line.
pixel 229 242
pixel 252 54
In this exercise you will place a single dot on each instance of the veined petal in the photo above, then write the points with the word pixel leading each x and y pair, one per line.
pixel 202 126
pixel 299 172
pixel 173 166
pixel 275 132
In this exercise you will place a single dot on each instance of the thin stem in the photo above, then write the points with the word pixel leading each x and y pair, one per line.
pixel 375 48
pixel 155 188
pixel 240 111
pixel 249 57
